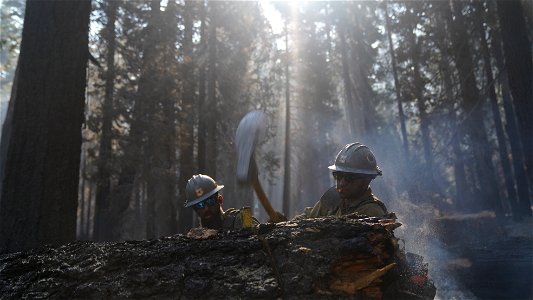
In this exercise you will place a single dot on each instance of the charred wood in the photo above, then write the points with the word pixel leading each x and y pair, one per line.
pixel 322 258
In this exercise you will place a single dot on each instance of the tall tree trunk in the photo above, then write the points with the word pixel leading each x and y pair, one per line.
pixel 349 99
pixel 328 20
pixel 81 218
pixel 421 105
pixel 102 226
pixel 463 194
pixel 41 176
pixel 89 211
pixel 517 51
pixel 202 105
pixel 488 190
pixel 520 175
pixel 212 107
pixel 147 83
pixel 502 144
pixel 287 160
pixel 161 90
pixel 186 117
pixel 361 90
pixel 167 183
pixel 401 115
pixel 134 165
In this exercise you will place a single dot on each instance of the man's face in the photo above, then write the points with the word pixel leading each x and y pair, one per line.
pixel 350 185
pixel 210 212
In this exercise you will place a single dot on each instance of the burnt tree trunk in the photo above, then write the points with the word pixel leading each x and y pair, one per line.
pixel 40 180
pixel 326 258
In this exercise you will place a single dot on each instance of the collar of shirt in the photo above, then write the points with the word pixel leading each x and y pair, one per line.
pixel 353 203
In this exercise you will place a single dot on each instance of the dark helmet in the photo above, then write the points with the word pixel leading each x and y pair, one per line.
pixel 199 188
pixel 356 158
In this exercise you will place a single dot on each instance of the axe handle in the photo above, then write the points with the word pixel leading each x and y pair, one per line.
pixel 264 201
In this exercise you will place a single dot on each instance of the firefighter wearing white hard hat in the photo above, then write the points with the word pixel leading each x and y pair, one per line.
pixel 354 168
pixel 202 194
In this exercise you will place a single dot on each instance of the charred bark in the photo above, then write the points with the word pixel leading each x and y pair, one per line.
pixel 327 258
pixel 40 176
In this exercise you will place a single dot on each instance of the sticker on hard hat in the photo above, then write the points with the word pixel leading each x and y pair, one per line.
pixel 370 157
pixel 342 159
pixel 199 191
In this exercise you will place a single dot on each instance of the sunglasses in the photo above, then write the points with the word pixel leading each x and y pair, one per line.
pixel 209 202
pixel 348 177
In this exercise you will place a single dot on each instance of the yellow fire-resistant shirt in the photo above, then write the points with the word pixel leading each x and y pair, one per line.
pixel 331 204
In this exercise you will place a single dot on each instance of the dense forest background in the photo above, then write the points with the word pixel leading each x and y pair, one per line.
pixel 113 107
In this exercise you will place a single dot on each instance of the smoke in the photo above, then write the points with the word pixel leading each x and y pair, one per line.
pixel 419 236
pixel 417 233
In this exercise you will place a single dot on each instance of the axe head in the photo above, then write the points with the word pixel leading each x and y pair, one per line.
pixel 250 132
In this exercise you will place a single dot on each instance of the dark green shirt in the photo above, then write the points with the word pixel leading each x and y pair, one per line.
pixel 331 204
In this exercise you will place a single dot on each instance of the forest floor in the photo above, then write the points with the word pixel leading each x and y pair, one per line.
pixel 485 259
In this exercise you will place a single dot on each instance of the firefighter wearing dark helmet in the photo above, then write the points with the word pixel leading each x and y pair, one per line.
pixel 354 168
pixel 202 194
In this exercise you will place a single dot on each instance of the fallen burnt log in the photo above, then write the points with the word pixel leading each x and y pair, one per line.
pixel 319 258
pixel 468 228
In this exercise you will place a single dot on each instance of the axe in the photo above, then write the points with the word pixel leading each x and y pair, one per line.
pixel 250 132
